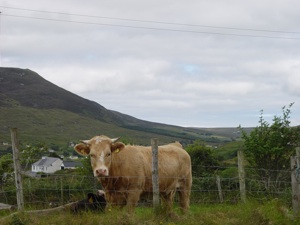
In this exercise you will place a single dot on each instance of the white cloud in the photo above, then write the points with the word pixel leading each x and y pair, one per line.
pixel 181 78
pixel 292 81
pixel 220 87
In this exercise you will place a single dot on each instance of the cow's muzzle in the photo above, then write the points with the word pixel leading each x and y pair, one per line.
pixel 101 172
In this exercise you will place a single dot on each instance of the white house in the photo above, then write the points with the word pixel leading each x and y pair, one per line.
pixel 47 165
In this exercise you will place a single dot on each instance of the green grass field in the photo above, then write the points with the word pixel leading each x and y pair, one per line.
pixel 271 212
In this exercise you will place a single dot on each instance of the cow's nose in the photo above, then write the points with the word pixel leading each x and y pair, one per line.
pixel 100 172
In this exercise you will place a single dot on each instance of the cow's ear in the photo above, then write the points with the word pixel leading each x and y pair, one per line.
pixel 116 147
pixel 82 149
pixel 91 198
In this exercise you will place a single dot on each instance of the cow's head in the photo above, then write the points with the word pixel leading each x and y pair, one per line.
pixel 99 149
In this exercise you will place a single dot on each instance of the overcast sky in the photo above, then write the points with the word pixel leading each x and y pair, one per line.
pixel 189 63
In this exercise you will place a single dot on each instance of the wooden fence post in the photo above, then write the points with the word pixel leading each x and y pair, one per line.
pixel 61 191
pixel 242 175
pixel 155 179
pixel 295 179
pixel 17 168
pixel 218 181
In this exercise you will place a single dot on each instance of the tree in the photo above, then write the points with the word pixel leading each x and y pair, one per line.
pixel 6 167
pixel 268 148
pixel 32 153
pixel 204 161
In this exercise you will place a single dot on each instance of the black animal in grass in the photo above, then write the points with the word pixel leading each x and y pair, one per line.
pixel 93 202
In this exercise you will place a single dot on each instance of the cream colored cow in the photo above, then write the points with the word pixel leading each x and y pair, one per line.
pixel 125 171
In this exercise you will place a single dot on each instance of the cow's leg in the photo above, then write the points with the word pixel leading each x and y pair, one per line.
pixel 132 200
pixel 168 201
pixel 116 199
pixel 184 198
pixel 184 191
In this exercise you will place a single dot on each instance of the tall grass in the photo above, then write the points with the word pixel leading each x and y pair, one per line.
pixel 271 212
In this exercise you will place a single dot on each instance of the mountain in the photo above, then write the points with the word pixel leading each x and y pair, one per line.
pixel 46 113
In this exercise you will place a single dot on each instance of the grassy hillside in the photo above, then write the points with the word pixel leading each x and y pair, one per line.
pixel 53 126
pixel 26 88
pixel 46 113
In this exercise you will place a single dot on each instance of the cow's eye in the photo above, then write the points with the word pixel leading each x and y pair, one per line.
pixel 108 154
pixel 92 155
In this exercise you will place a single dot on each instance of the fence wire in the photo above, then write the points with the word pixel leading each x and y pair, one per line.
pixel 50 190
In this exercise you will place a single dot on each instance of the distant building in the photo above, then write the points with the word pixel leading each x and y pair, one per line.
pixel 73 157
pixel 47 165
pixel 70 165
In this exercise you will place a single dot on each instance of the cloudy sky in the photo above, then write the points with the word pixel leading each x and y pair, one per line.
pixel 190 63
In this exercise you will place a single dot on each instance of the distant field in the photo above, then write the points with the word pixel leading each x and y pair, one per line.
pixel 59 127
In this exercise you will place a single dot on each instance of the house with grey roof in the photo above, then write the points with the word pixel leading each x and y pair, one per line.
pixel 47 165
pixel 70 165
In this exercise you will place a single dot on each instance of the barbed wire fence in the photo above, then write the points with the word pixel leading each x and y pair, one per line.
pixel 60 189
pixel 222 186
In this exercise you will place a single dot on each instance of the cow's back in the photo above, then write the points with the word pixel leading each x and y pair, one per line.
pixel 136 162
pixel 174 167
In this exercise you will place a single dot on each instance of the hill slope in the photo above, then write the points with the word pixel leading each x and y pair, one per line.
pixel 44 112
